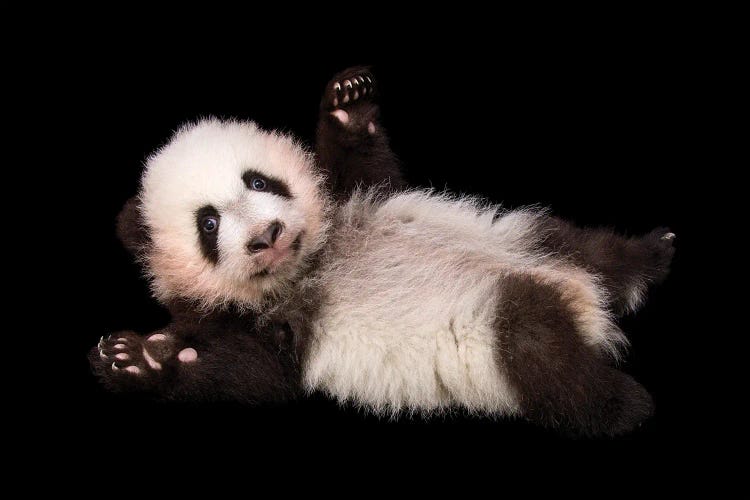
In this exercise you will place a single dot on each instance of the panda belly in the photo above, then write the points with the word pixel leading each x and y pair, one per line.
pixel 408 322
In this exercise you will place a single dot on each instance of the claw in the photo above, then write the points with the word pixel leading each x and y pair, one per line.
pixel 368 79
pixel 347 84
pixel 337 86
pixel 355 81
pixel 114 366
pixel 669 236
pixel 361 79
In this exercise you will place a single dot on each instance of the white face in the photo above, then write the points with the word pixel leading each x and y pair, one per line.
pixel 232 212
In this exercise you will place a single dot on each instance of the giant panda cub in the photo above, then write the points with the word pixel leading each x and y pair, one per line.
pixel 288 272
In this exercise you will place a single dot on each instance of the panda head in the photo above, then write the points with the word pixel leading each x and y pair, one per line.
pixel 231 213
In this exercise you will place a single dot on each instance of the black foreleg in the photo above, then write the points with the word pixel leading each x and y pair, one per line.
pixel 175 364
pixel 352 145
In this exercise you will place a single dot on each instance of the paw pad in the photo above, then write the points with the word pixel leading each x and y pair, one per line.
pixel 124 353
pixel 188 355
pixel 342 116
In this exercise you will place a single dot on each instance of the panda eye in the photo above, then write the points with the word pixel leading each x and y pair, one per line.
pixel 209 224
pixel 258 184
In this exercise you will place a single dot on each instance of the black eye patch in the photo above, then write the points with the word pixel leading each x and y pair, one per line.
pixel 207 221
pixel 255 181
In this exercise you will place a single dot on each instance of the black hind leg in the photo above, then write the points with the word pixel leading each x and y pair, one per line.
pixel 559 380
pixel 352 145
pixel 627 266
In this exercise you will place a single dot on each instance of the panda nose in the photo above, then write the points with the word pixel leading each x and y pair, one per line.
pixel 265 240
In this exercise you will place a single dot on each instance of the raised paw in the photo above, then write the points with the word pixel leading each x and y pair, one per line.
pixel 349 87
pixel 349 99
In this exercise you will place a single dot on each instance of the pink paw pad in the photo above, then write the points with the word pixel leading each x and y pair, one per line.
pixel 341 115
pixel 188 355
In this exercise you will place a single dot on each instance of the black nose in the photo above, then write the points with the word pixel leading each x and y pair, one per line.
pixel 265 240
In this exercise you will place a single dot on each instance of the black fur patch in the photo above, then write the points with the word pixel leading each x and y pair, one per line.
pixel 273 186
pixel 559 380
pixel 620 261
pixel 208 241
pixel 131 230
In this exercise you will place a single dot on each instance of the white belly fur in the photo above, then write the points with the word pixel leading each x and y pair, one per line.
pixel 411 301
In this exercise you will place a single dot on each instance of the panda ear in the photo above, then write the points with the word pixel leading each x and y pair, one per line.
pixel 130 227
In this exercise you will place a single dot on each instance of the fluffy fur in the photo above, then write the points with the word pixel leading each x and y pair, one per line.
pixel 394 301
pixel 203 165
pixel 412 287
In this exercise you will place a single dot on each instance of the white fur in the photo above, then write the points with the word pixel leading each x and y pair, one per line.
pixel 203 165
pixel 412 298
pixel 636 294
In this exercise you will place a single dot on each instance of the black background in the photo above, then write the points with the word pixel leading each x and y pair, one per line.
pixel 590 121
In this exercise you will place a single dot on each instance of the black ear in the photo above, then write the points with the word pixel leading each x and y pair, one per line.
pixel 130 227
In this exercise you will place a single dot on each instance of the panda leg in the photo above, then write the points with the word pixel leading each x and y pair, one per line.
pixel 352 145
pixel 559 380
pixel 164 365
pixel 627 266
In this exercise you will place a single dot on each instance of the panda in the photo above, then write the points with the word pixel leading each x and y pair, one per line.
pixel 288 272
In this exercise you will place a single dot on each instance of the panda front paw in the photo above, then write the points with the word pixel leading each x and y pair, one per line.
pixel 351 86
pixel 124 353
pixel 126 361
pixel 349 99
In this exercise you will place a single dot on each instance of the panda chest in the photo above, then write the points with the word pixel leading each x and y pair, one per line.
pixel 399 280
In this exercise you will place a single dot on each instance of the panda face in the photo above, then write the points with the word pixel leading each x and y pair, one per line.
pixel 232 213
